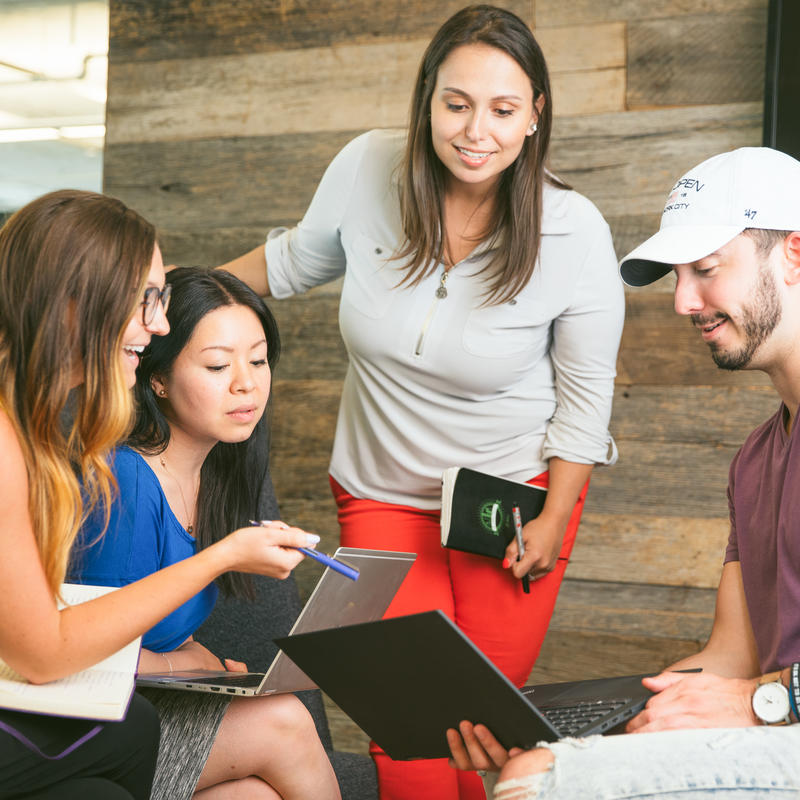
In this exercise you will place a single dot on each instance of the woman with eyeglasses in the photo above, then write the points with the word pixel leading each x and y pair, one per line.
pixel 482 311
pixel 191 471
pixel 81 284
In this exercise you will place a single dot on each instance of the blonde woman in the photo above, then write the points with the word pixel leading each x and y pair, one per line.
pixel 81 294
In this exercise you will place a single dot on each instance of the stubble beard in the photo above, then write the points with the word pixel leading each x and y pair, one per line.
pixel 757 321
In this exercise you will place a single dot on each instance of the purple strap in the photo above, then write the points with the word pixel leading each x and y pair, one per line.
pixel 12 731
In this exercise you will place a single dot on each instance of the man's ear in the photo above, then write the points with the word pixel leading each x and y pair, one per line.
pixel 791 252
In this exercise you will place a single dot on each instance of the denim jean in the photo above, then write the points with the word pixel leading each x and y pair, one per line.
pixel 726 764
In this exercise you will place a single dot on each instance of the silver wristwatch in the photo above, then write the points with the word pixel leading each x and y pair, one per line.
pixel 771 700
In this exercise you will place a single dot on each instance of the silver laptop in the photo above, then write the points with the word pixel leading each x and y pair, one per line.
pixel 335 601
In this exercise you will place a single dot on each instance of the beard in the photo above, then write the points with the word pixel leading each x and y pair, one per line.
pixel 757 321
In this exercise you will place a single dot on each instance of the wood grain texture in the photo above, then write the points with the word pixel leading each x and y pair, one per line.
pixel 147 30
pixel 571 656
pixel 658 550
pixel 221 183
pixel 626 163
pixel 558 12
pixel 712 415
pixel 691 60
pixel 664 480
pixel 603 629
pixel 634 609
pixel 588 92
pixel 365 86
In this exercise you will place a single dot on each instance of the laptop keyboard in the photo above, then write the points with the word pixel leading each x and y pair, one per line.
pixel 567 720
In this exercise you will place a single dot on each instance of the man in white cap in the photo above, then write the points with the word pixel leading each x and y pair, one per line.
pixel 730 231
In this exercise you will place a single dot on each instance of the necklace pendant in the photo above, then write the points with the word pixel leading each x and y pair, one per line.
pixel 441 291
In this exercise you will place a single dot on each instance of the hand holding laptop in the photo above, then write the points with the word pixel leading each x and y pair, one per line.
pixel 474 747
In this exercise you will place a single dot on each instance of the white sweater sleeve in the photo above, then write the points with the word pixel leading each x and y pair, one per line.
pixel 311 253
pixel 586 337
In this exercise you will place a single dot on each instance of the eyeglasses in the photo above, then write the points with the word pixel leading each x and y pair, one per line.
pixel 152 297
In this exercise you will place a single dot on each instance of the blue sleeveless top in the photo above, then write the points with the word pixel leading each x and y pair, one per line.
pixel 143 536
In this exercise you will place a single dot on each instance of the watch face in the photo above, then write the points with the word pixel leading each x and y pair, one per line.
pixel 771 702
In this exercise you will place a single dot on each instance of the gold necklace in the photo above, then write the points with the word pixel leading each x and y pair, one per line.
pixel 189 526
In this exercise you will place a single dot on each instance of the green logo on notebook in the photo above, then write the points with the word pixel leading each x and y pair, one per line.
pixel 490 515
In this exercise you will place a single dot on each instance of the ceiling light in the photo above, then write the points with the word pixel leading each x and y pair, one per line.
pixel 82 131
pixel 28 134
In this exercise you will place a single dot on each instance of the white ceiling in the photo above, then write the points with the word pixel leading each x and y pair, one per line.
pixel 53 65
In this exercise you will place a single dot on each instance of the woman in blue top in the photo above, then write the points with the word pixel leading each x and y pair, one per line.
pixel 191 473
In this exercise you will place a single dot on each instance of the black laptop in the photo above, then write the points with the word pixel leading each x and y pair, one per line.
pixel 405 680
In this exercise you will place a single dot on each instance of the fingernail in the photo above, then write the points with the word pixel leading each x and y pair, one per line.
pixel 312 538
pixel 506 563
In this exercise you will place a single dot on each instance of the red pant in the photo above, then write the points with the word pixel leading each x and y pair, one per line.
pixel 484 600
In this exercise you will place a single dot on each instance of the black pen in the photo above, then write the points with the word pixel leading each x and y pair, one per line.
pixel 526 582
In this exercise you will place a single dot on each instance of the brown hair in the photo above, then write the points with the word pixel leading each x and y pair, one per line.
pixel 765 239
pixel 515 225
pixel 73 265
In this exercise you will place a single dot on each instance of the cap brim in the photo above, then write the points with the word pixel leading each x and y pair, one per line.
pixel 681 244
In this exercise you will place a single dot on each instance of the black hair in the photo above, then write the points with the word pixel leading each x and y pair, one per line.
pixel 233 472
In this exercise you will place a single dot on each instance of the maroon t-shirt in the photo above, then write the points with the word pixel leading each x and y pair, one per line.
pixel 764 503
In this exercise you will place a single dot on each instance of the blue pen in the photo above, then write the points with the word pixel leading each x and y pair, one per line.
pixel 328 561
pixel 526 581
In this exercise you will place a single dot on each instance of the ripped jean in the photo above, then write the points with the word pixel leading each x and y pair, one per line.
pixel 728 764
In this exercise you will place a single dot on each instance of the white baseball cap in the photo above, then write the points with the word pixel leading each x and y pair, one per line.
pixel 752 187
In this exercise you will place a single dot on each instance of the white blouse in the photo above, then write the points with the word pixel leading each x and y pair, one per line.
pixel 434 382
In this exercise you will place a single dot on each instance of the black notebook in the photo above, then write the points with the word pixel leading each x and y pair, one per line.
pixel 476 510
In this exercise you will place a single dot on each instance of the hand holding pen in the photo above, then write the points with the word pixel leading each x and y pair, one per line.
pixel 526 581
pixel 328 561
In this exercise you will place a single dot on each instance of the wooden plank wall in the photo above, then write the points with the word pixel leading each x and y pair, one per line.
pixel 221 119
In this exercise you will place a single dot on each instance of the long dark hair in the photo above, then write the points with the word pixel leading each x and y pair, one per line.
pixel 73 267
pixel 233 472
pixel 515 224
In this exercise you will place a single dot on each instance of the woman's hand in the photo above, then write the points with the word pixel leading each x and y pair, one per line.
pixel 193 655
pixel 189 655
pixel 269 548
pixel 543 537
pixel 475 747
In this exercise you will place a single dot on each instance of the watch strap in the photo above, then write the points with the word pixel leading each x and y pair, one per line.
pixel 794 694
pixel 770 677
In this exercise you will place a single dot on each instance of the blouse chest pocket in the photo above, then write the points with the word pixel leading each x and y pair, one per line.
pixel 517 326
pixel 370 277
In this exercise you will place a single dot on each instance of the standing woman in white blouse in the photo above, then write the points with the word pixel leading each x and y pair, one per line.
pixel 482 311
